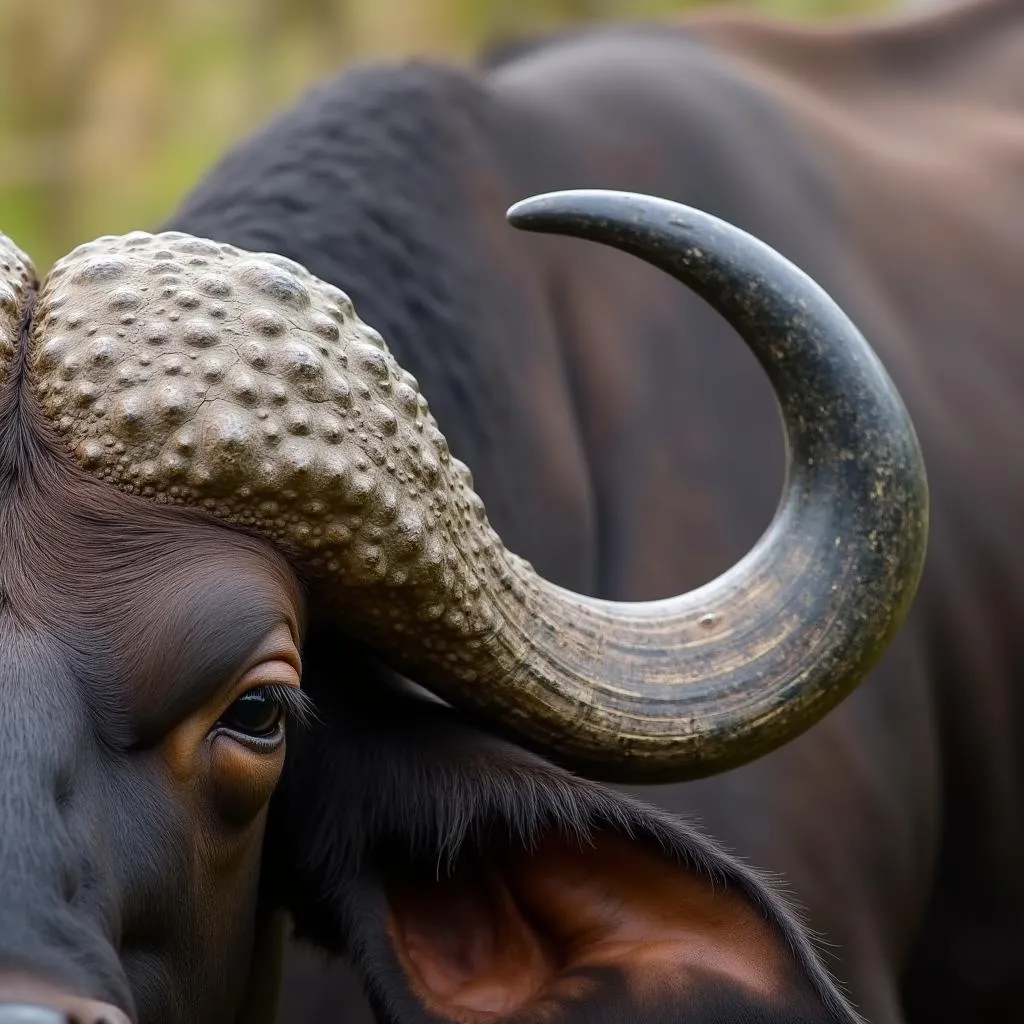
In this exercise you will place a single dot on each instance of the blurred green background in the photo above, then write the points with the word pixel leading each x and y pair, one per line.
pixel 110 110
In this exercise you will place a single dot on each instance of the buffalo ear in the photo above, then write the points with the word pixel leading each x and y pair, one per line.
pixel 593 930
pixel 468 881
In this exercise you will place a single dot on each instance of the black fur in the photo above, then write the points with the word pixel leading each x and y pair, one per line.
pixel 363 183
pixel 394 154
pixel 666 465
pixel 388 783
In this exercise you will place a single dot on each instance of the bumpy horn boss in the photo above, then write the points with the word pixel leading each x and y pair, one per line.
pixel 17 281
pixel 187 371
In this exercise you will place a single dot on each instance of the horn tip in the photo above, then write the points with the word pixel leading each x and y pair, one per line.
pixel 539 212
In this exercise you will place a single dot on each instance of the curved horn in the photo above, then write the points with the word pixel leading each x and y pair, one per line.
pixel 191 372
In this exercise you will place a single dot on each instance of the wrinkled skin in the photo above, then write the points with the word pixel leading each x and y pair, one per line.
pixel 628 450
pixel 136 633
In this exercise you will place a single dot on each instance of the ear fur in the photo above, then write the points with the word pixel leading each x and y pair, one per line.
pixel 467 880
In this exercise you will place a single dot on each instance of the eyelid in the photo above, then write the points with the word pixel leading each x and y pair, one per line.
pixel 295 703
pixel 268 672
pixel 278 645
pixel 277 649
pixel 274 664
pixel 274 676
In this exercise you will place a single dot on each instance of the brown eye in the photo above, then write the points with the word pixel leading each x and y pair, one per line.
pixel 257 713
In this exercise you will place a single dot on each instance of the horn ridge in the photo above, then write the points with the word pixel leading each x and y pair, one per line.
pixel 191 372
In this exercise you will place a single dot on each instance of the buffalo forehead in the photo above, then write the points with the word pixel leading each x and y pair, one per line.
pixel 17 280
pixel 195 373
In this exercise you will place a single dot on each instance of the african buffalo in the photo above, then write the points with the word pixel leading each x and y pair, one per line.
pixel 624 443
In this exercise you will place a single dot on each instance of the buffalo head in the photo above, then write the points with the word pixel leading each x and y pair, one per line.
pixel 215 482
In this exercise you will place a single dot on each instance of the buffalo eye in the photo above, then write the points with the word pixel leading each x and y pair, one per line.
pixel 257 714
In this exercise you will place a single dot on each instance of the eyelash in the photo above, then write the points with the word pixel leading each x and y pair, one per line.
pixel 295 706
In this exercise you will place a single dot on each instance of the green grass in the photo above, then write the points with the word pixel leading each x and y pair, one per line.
pixel 167 87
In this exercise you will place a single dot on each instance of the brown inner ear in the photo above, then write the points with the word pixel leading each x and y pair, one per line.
pixel 507 932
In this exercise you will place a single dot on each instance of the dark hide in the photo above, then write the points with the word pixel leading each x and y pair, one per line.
pixel 124 877
pixel 399 797
pixel 626 444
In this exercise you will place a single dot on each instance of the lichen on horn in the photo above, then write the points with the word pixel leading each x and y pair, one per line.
pixel 187 371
